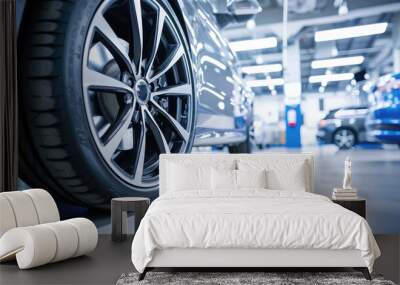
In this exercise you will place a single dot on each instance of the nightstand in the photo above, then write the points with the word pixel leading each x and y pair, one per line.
pixel 358 206
pixel 119 211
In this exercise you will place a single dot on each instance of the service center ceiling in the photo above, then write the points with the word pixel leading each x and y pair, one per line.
pixel 363 47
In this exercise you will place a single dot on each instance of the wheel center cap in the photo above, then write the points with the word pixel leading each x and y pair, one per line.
pixel 142 90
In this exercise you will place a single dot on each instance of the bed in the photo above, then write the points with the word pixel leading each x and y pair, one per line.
pixel 224 210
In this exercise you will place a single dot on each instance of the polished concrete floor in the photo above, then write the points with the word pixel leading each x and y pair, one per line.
pixel 106 264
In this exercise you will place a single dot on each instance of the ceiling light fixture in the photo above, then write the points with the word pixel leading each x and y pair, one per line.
pixel 259 60
pixel 265 82
pixel 267 68
pixel 246 45
pixel 251 24
pixel 350 32
pixel 340 61
pixel 343 9
pixel 331 77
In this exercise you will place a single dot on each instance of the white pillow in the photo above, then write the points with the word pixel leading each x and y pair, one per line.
pixel 291 180
pixel 188 177
pixel 251 178
pixel 282 174
pixel 223 179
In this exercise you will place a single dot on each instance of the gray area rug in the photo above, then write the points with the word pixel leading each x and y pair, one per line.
pixel 233 278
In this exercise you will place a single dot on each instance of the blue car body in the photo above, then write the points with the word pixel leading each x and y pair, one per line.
pixel 383 121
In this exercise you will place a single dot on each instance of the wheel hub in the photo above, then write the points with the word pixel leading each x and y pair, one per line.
pixel 143 91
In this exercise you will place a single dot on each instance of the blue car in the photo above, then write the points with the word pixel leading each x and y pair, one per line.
pixel 106 86
pixel 383 121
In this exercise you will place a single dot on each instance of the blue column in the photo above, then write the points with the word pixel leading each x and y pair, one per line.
pixel 292 89
pixel 293 118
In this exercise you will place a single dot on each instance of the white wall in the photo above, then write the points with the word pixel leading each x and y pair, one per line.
pixel 269 108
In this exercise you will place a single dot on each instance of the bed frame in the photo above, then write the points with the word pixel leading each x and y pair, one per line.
pixel 244 258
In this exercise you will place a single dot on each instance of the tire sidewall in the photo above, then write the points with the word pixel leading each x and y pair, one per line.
pixel 83 145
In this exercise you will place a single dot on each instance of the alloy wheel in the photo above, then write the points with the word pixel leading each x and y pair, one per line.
pixel 137 87
pixel 344 138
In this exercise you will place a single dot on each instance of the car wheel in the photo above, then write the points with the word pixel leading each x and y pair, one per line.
pixel 344 138
pixel 106 86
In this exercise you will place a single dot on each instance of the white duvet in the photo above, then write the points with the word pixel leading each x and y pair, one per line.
pixel 250 219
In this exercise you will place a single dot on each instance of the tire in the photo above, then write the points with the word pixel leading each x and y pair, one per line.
pixel 345 138
pixel 60 149
pixel 243 147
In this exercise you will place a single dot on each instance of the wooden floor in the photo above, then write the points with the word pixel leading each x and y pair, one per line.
pixel 106 264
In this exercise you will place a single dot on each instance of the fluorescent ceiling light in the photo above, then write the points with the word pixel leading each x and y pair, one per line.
pixel 262 68
pixel 339 61
pixel 350 32
pixel 331 77
pixel 251 24
pixel 246 45
pixel 265 82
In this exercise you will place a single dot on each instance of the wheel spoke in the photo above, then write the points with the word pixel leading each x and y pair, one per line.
pixel 113 136
pixel 141 150
pixel 173 122
pixel 136 46
pixel 98 81
pixel 170 61
pixel 158 31
pixel 112 43
pixel 177 90
pixel 158 134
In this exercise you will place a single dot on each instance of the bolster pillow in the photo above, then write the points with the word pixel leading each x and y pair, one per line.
pixel 40 244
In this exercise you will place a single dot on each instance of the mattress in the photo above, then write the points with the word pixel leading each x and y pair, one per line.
pixel 250 219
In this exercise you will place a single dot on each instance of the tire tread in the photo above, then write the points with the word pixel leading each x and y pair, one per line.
pixel 46 156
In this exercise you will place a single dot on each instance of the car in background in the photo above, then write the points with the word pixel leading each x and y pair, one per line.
pixel 344 127
pixel 106 86
pixel 383 121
